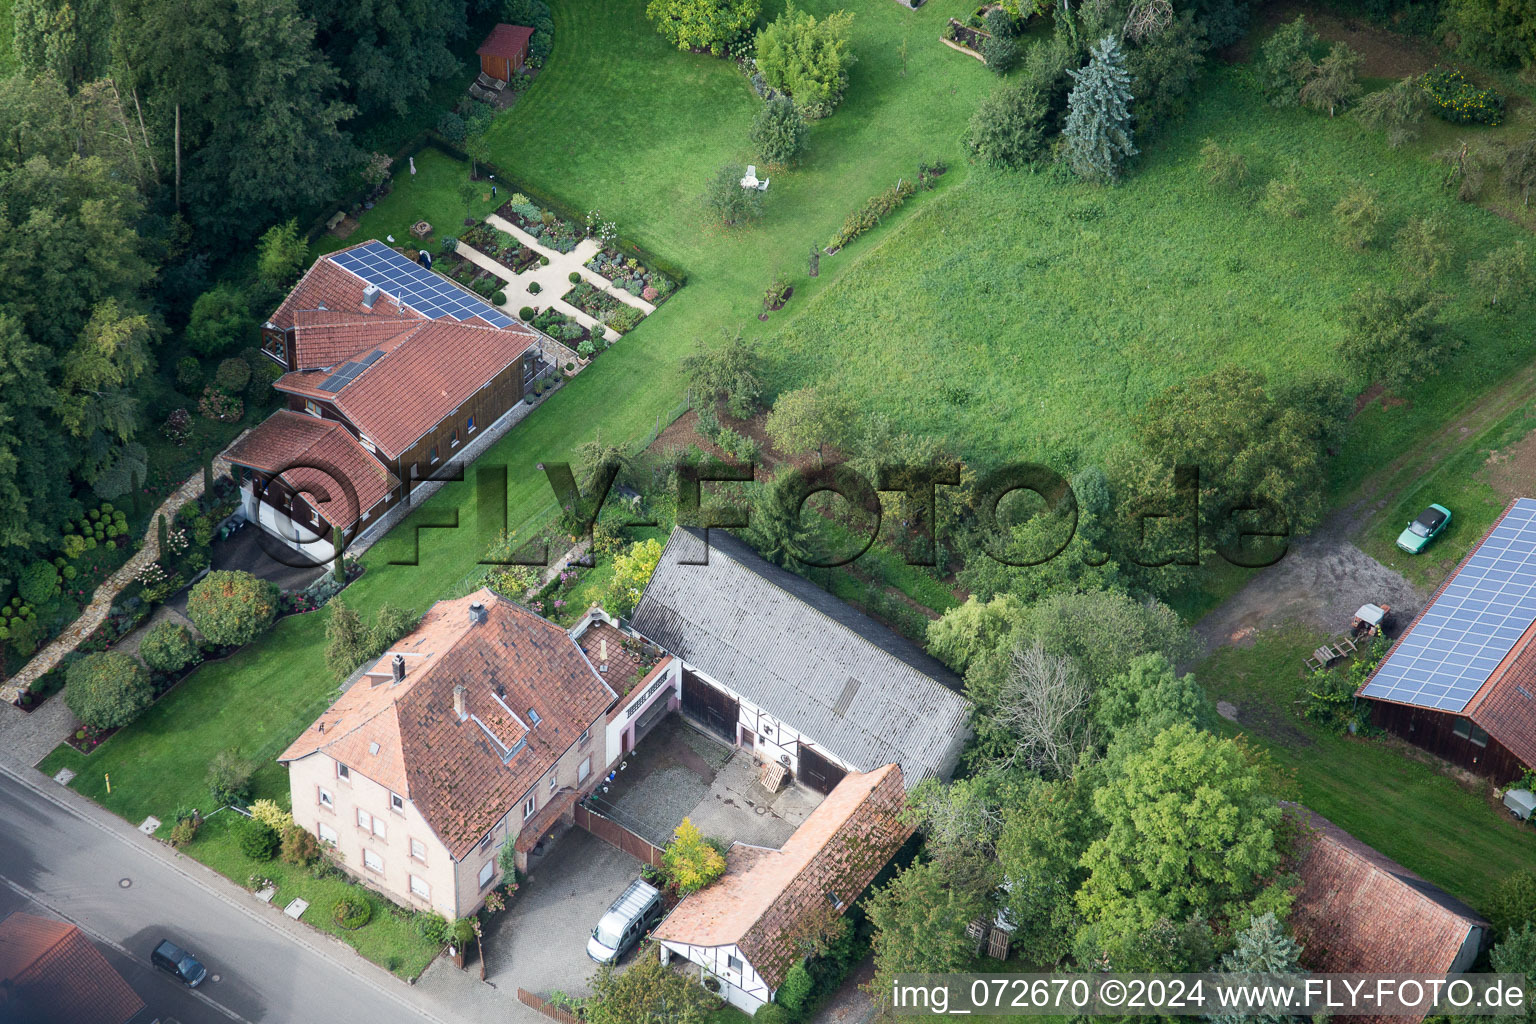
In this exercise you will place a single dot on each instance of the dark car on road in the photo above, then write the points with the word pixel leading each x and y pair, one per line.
pixel 175 961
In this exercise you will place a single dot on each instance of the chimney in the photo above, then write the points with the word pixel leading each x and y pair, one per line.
pixel 602 654
pixel 458 703
pixel 476 614
pixel 399 668
pixel 370 296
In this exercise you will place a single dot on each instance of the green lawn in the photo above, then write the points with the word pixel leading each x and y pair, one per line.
pixel 1382 791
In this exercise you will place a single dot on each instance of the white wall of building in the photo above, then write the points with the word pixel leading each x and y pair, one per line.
pixel 300 536
pixel 775 741
pixel 742 987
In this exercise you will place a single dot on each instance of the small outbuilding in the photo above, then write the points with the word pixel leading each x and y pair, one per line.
pixel 504 50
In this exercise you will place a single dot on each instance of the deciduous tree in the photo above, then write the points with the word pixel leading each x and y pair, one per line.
pixel 1335 82
pixel 808 419
pixel 690 859
pixel 1008 129
pixel 107 690
pixel 1395 335
pixel 710 25
pixel 1503 277
pixel 779 132
pixel 231 607
pixel 920 918
pixel 647 992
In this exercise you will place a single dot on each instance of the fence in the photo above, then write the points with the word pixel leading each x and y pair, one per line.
pixel 543 1006
pixel 614 834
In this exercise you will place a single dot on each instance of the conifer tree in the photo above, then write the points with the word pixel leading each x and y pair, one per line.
pixel 1098 130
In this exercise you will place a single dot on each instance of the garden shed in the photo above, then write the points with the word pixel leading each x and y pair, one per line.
pixel 504 51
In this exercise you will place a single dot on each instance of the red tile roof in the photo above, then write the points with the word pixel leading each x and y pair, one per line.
pixel 764 894
pixel 509 41
pixel 459 773
pixel 1505 705
pixel 323 338
pixel 418 383
pixel 1359 912
pixel 51 969
pixel 314 455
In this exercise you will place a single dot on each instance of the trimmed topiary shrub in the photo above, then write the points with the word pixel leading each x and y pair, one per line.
pixel 39 583
pixel 352 911
pixel 168 647
pixel 107 690
pixel 232 608
pixel 534 288
pixel 233 375
pixel 257 840
pixel 574 277
pixel 526 313
pixel 499 298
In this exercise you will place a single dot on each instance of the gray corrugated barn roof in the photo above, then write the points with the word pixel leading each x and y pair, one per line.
pixel 855 688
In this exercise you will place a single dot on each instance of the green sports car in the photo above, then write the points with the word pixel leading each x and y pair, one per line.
pixel 1424 529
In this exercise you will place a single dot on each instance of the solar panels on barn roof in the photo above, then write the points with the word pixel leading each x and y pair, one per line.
pixel 1471 625
pixel 428 293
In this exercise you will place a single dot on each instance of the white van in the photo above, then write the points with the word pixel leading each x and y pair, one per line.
pixel 631 916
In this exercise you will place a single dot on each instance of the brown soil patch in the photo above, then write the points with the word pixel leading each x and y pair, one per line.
pixel 1511 470
pixel 1376 392
pixel 1387 54
pixel 345 228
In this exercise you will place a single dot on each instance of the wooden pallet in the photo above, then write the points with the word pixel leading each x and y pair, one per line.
pixel 773 776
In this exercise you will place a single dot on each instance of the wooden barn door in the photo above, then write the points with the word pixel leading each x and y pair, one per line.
pixel 714 709
pixel 817 772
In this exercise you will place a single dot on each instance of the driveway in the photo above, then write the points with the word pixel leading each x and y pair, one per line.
pixel 540 943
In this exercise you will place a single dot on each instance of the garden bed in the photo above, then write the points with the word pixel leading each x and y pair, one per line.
pixel 603 307
pixel 501 247
pixel 545 225
pixel 561 326
pixel 633 276
pixel 960 36
pixel 469 274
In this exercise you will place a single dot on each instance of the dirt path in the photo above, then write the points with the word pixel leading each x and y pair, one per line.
pixel 1325 577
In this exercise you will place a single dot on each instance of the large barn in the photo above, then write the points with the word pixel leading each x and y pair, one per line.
pixel 1461 681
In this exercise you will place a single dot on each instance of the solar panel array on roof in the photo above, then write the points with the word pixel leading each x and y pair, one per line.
pixel 428 293
pixel 1471 626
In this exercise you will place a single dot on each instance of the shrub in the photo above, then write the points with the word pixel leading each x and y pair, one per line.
pixel 107 690
pixel 1001 24
pixel 352 911
pixel 778 132
pixel 448 245
pixel 1224 169
pixel 499 298
pixel 1513 903
pixel 168 647
pixel 38 583
pixel 229 777
pixel 1357 217
pixel 1502 277
pixel 183 832
pixel 300 846
pixel 257 840
pixel 690 860
pixel 432 927
pixel 625 319
pixel 451 127
pixel 796 989
pixel 534 288
pixel 1453 98
pixel 807 58
pixel 232 608
pixel 1283 198
pixel 526 314
pixel 543 262
pixel 189 374
pixel 871 213
pixel 710 25
pixel 221 320
pixel 1422 247
pixel 219 405
pixel 727 202
pixel 1164 70
pixel 1008 129
pixel 233 375
pixel 773 1013
pixel 178 427
pixel 574 277
pixel 271 815
pixel 1001 53
pixel 1285 61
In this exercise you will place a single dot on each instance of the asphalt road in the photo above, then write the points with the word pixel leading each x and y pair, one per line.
pixel 258 971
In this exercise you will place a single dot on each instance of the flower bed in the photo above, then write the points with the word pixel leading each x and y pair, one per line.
pixel 471 275
pixel 501 247
pixel 1453 98
pixel 604 307
pixel 549 229
pixel 561 327
pixel 633 276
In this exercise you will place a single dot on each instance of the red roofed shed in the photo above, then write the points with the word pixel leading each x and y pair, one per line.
pixel 504 50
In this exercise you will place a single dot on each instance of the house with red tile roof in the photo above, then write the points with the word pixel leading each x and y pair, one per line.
pixel 399 369
pixel 1461 680
pixel 51 974
pixel 741 930
pixel 480 728
pixel 1359 912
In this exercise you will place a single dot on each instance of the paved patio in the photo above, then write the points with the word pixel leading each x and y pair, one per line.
pixel 680 772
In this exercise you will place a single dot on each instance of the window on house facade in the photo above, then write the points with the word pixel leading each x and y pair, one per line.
pixel 583 770
pixel 529 807
pixel 313 408
pixel 342 771
pixel 432 455
pixel 453 438
pixel 396 803
pixel 420 888
pixel 733 964
pixel 1479 738
pixel 470 427
pixel 326 833
pixel 364 820
pixel 372 861
pixel 552 781
pixel 378 828
pixel 419 850
pixel 586 734
pixel 487 873
pixel 326 800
